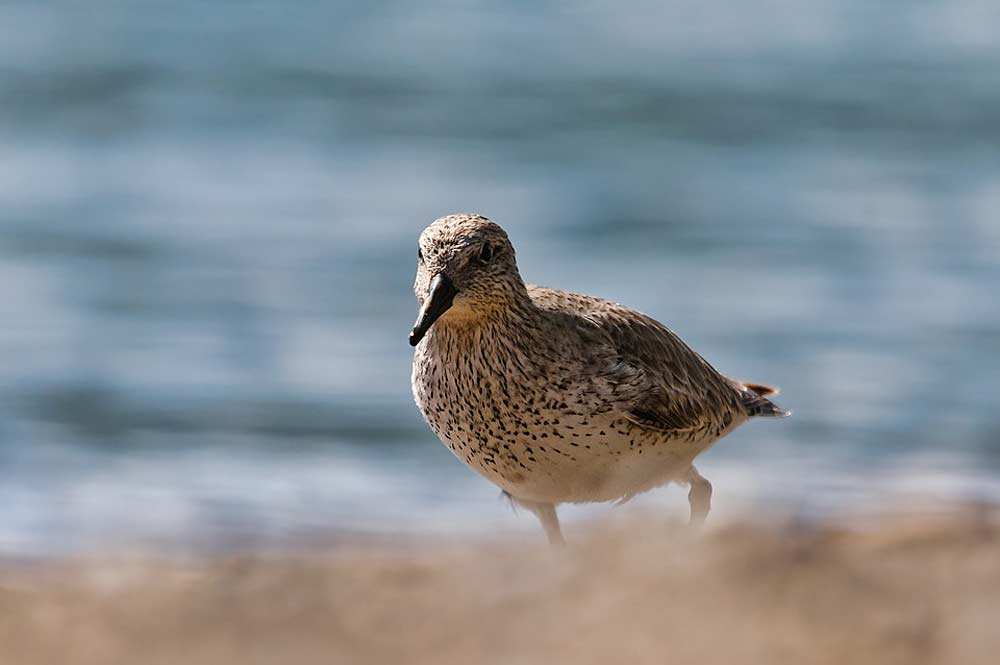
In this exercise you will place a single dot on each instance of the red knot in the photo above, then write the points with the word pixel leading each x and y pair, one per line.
pixel 557 397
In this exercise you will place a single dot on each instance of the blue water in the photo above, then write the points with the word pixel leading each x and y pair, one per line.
pixel 208 223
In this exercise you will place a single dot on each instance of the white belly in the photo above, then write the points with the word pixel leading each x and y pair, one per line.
pixel 605 460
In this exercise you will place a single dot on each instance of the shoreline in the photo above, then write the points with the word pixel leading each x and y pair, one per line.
pixel 875 589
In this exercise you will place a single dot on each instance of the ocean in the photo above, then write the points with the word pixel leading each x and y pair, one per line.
pixel 208 224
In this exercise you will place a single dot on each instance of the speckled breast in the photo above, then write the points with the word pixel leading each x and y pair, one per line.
pixel 535 433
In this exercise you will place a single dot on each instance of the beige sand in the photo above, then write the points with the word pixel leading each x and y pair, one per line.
pixel 898 590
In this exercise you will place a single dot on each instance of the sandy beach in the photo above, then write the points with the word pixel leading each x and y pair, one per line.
pixel 901 588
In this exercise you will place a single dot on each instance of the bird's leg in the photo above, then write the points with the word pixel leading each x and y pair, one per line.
pixel 546 514
pixel 699 496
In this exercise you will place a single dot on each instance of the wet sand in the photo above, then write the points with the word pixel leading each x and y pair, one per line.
pixel 904 589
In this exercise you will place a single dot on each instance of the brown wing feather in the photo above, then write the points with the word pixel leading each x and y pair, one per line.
pixel 658 381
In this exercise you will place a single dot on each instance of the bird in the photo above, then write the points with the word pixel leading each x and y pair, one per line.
pixel 557 397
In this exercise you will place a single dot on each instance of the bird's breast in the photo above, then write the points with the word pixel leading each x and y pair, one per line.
pixel 537 433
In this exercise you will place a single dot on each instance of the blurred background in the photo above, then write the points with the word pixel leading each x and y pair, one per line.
pixel 208 224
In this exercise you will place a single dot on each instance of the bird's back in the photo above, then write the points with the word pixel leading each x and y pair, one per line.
pixel 660 382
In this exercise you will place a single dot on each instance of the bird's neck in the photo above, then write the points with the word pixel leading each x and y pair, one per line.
pixel 482 326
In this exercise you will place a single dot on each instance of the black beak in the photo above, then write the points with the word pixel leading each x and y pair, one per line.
pixel 439 299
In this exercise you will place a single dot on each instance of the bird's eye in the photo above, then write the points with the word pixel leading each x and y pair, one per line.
pixel 486 253
pixel 420 254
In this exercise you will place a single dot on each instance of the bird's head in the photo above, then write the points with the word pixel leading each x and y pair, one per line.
pixel 465 269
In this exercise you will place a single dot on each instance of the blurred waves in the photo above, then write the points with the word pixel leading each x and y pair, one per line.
pixel 208 219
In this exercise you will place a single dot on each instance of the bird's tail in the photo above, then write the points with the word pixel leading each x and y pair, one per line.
pixel 761 389
pixel 756 403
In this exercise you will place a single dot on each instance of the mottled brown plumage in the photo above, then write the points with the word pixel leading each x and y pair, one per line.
pixel 558 397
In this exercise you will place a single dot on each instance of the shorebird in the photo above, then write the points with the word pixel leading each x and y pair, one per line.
pixel 557 397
